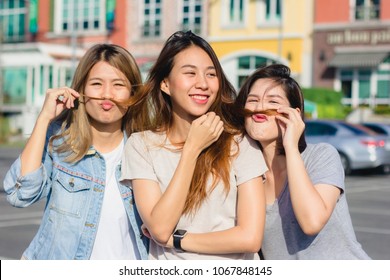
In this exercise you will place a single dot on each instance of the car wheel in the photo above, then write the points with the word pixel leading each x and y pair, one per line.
pixel 386 169
pixel 346 164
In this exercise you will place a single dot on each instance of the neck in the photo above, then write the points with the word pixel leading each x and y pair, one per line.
pixel 106 141
pixel 275 162
pixel 178 132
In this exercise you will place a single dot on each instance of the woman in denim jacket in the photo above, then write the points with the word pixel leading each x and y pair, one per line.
pixel 73 160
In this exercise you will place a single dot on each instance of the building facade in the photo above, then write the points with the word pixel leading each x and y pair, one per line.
pixel 249 34
pixel 42 40
pixel 351 50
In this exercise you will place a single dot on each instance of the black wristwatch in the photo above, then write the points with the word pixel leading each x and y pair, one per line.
pixel 177 237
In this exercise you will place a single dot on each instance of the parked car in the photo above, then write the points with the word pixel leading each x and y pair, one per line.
pixel 381 128
pixel 359 147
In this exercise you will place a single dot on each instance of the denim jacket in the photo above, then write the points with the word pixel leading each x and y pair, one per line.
pixel 74 195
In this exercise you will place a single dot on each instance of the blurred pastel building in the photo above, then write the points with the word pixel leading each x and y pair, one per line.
pixel 338 44
pixel 351 49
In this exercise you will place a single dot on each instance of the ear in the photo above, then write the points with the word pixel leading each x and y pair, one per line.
pixel 164 87
pixel 298 110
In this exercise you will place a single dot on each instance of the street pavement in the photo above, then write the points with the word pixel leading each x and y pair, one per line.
pixel 368 196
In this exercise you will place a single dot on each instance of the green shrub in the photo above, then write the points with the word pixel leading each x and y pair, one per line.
pixel 328 102
pixel 382 110
pixel 4 129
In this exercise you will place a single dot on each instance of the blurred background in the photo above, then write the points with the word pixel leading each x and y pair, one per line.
pixel 338 50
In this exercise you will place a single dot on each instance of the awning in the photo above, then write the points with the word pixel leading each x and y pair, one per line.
pixel 354 59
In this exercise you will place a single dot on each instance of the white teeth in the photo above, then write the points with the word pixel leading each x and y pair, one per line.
pixel 200 97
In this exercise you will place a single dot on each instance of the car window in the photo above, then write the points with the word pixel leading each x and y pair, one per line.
pixel 319 129
pixel 375 128
pixel 358 129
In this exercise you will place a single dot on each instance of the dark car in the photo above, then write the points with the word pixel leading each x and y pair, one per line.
pixel 359 147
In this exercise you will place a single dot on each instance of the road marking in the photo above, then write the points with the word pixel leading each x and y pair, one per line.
pixel 21 222
pixel 369 211
pixel 373 230
pixel 351 189
pixel 23 215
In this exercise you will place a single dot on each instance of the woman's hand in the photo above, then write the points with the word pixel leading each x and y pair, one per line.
pixel 291 125
pixel 57 100
pixel 204 131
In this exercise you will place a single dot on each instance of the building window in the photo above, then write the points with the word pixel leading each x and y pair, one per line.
pixel 248 64
pixel 152 18
pixel 12 20
pixel 383 89
pixel 233 12
pixel 14 86
pixel 364 77
pixel 366 10
pixel 346 77
pixel 192 15
pixel 269 11
pixel 88 15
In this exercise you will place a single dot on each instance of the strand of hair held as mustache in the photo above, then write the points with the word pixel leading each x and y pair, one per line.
pixel 123 103
pixel 268 112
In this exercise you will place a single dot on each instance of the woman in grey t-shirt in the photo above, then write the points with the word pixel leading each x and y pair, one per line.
pixel 307 214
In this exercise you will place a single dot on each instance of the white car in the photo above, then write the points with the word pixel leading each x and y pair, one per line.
pixel 359 147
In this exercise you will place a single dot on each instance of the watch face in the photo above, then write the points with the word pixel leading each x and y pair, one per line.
pixel 180 232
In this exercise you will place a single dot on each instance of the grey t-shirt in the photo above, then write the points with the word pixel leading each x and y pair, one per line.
pixel 150 156
pixel 283 237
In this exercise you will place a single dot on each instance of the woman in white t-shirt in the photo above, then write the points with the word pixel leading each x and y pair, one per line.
pixel 197 182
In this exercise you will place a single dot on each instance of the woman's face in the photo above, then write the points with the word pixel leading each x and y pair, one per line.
pixel 192 84
pixel 106 82
pixel 264 95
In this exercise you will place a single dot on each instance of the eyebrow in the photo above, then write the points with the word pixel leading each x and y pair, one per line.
pixel 194 67
pixel 276 95
pixel 100 79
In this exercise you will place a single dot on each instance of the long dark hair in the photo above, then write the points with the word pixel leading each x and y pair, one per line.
pixel 280 75
pixel 156 115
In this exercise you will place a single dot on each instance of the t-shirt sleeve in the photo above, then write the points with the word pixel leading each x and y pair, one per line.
pixel 136 160
pixel 324 166
pixel 249 163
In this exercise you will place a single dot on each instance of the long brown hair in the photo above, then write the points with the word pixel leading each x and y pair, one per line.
pixel 214 160
pixel 75 128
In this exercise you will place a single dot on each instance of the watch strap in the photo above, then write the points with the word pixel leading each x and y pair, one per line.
pixel 177 237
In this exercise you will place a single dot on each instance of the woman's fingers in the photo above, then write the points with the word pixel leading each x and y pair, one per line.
pixel 67 96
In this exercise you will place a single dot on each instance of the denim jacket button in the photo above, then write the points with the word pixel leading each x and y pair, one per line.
pixel 18 185
pixel 71 182
pixel 131 201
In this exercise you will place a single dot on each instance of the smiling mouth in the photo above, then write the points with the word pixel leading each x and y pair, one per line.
pixel 199 97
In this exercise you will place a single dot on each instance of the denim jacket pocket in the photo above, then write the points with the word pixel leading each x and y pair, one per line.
pixel 70 195
pixel 72 184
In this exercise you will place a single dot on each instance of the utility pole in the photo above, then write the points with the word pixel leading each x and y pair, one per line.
pixel 280 39
pixel 73 35
pixel 1 51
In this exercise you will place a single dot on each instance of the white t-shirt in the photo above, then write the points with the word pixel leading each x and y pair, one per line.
pixel 114 238
pixel 151 156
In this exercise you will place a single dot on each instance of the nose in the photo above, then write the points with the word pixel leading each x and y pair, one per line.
pixel 201 82
pixel 260 106
pixel 107 92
